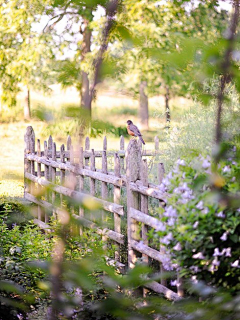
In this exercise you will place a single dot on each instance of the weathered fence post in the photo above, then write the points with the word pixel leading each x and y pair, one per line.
pixel 161 172
pixel 104 186
pixel 29 139
pixel 87 148
pixel 117 195
pixel 81 185
pixel 104 169
pixel 62 171
pixel 122 148
pixel 133 162
pixel 54 170
pixel 92 181
pixel 40 211
pixel 144 209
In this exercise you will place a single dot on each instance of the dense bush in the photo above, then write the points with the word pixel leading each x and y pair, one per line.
pixel 202 219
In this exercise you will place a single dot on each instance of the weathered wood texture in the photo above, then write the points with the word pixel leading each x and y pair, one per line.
pixel 74 174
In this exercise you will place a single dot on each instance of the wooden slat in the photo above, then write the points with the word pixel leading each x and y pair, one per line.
pixel 159 288
pixel 144 218
pixel 86 223
pixel 84 172
pixel 152 253
pixel 119 238
pixel 151 192
pixel 77 196
pixel 98 153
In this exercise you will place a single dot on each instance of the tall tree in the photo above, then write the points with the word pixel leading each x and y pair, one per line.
pixel 25 55
pixel 163 30
pixel 91 40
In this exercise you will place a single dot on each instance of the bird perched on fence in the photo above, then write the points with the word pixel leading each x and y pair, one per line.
pixel 134 131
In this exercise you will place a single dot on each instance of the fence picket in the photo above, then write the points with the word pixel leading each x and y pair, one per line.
pixel 117 195
pixel 81 185
pixel 40 211
pixel 133 160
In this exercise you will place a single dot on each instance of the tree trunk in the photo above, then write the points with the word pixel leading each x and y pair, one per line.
pixel 27 113
pixel 86 102
pixel 143 106
pixel 167 108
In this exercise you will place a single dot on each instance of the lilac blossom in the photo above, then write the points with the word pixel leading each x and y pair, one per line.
pixel 181 162
pixel 170 176
pixel 195 225
pixel 198 255
pixel 216 262
pixel 206 164
pixel 173 283
pixel 171 222
pixel 235 264
pixel 227 252
pixel 170 212
pixel 220 215
pixel 177 247
pixel 217 252
pixel 205 210
pixel 166 240
pixel 160 226
pixel 200 205
pixel 195 269
pixel 162 187
pixel 194 279
pixel 166 262
pixel 226 169
pixel 166 182
pixel 224 236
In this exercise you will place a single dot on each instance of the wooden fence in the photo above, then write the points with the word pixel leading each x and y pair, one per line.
pixel 73 173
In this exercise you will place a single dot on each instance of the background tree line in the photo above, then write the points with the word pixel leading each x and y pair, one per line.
pixel 147 50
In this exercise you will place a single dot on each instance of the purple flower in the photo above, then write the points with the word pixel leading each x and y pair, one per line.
pixel 173 283
pixel 198 255
pixel 235 264
pixel 195 225
pixel 226 169
pixel 206 164
pixel 171 222
pixel 195 269
pixel 217 252
pixel 224 236
pixel 205 210
pixel 160 226
pixel 166 240
pixel 216 262
pixel 220 215
pixel 200 205
pixel 227 252
pixel 170 212
pixel 177 247
pixel 181 162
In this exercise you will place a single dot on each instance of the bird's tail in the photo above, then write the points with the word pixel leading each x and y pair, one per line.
pixel 140 137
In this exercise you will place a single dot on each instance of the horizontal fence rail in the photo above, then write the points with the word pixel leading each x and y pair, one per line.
pixel 122 194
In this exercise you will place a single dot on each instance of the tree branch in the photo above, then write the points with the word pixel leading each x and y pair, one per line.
pixel 225 66
pixel 110 12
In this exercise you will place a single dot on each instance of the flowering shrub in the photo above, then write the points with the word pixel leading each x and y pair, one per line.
pixel 201 218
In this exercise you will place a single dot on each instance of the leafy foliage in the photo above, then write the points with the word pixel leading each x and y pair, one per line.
pixel 202 218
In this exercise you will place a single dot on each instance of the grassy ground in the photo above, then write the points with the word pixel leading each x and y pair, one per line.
pixel 109 106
